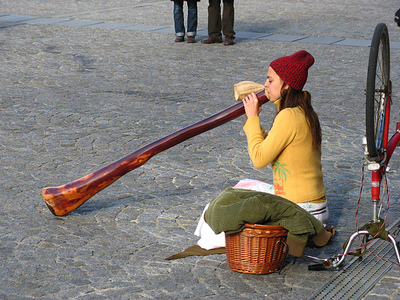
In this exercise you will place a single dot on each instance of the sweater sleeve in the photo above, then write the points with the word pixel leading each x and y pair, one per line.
pixel 264 150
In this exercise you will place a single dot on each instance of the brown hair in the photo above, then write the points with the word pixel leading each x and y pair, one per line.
pixel 293 98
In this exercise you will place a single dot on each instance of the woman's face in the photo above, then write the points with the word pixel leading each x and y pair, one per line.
pixel 273 84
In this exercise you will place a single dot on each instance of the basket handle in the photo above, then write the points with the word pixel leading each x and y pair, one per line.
pixel 286 250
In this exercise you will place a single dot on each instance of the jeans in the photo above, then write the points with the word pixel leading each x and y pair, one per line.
pixel 191 18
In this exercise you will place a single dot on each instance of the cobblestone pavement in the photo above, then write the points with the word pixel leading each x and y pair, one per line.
pixel 75 98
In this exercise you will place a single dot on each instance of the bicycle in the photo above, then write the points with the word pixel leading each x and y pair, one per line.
pixel 378 147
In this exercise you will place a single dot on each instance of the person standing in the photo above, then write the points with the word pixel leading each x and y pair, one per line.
pixel 216 23
pixel 191 20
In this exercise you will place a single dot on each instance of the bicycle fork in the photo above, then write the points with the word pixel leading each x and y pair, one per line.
pixel 379 169
pixel 375 193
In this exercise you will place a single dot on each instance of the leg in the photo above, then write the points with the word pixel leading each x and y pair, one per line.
pixel 214 19
pixel 228 17
pixel 178 20
pixel 192 18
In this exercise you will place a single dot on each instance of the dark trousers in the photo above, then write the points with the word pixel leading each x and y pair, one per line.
pixel 216 23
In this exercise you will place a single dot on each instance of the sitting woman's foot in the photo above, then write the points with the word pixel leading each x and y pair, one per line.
pixel 330 229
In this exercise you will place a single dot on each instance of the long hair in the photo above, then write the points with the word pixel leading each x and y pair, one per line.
pixel 294 98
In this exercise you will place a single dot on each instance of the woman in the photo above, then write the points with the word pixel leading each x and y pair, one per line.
pixel 293 145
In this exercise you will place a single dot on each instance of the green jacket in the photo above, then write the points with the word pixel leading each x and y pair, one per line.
pixel 233 208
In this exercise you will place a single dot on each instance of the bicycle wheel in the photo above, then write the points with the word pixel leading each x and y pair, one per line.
pixel 377 92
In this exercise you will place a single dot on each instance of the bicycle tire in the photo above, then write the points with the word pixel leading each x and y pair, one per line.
pixel 377 92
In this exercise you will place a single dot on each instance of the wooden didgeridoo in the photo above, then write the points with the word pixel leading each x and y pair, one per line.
pixel 63 199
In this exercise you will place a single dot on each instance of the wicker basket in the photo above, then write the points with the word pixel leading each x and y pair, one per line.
pixel 258 249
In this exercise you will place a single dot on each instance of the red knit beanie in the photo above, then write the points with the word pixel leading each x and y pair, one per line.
pixel 293 69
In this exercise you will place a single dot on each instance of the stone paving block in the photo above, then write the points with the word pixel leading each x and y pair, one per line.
pixel 16 18
pixel 283 37
pixel 142 27
pixel 354 42
pixel 165 30
pixel 375 297
pixel 4 24
pixel 45 21
pixel 107 25
pixel 320 40
pixel 78 23
pixel 250 35
pixel 394 45
pixel 202 32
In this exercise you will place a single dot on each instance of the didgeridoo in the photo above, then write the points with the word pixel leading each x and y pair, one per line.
pixel 63 199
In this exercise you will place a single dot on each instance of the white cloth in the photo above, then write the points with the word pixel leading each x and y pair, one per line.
pixel 255 185
pixel 208 239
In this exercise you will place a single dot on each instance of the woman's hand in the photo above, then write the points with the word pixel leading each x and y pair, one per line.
pixel 251 105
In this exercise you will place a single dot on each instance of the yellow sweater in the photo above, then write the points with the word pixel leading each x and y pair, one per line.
pixel 296 164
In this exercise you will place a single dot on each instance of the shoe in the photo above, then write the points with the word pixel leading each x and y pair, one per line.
pixel 191 39
pixel 179 39
pixel 330 229
pixel 397 17
pixel 211 40
pixel 229 41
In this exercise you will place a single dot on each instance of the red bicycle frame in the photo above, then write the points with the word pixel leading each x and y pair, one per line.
pixel 378 170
